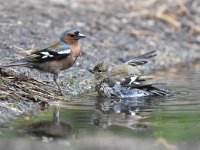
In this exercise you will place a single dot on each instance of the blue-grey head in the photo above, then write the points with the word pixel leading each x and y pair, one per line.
pixel 71 36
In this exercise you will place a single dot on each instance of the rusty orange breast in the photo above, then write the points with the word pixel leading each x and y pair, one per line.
pixel 75 50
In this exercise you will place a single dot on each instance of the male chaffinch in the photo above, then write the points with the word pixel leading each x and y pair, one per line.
pixel 56 57
pixel 125 80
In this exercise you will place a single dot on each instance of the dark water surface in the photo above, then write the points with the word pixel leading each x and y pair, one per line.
pixel 170 122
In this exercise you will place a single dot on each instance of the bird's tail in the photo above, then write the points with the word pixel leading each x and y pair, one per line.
pixel 146 55
pixel 158 91
pixel 19 63
pixel 142 59
pixel 151 88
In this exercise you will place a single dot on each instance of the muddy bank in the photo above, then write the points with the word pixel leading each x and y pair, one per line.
pixel 116 30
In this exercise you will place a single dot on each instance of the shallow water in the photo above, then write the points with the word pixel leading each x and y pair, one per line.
pixel 170 121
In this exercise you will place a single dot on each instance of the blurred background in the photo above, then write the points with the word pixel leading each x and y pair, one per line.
pixel 116 31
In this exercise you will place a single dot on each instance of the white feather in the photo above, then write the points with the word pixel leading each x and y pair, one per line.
pixel 137 83
pixel 46 54
pixel 133 79
pixel 66 51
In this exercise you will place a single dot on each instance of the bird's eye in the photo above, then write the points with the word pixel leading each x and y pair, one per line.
pixel 72 35
pixel 99 70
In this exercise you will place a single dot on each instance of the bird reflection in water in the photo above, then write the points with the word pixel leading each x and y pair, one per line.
pixel 50 129
pixel 122 112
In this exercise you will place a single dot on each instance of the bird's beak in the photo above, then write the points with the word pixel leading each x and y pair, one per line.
pixel 80 36
pixel 91 71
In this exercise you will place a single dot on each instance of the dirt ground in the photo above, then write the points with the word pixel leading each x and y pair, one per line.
pixel 116 30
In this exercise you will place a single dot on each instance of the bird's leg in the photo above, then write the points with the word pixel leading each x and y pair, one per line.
pixel 55 78
pixel 56 119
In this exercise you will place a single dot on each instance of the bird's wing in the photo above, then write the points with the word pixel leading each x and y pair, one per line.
pixel 49 54
pixel 119 73
pixel 136 81
pixel 142 59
